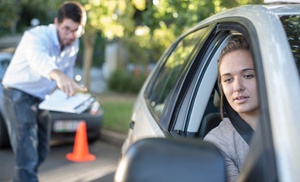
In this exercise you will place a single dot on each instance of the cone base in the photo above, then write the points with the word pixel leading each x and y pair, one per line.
pixel 75 158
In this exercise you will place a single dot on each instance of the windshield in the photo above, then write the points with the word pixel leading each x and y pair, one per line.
pixel 291 25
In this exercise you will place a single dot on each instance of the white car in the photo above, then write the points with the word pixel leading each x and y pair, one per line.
pixel 180 98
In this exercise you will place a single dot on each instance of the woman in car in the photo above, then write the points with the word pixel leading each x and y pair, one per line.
pixel 238 88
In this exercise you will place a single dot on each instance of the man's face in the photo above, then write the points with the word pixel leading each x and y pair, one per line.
pixel 68 31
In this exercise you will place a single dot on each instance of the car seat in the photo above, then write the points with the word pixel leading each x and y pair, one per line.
pixel 212 116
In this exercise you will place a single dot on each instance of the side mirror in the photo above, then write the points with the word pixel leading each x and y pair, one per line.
pixel 161 159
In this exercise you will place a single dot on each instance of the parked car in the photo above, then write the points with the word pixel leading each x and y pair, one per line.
pixel 63 124
pixel 180 97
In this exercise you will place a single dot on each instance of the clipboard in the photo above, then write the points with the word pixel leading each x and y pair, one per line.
pixel 61 102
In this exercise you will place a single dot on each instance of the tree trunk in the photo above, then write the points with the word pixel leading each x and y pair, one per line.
pixel 88 52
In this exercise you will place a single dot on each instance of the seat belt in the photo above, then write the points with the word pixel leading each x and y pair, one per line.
pixel 241 126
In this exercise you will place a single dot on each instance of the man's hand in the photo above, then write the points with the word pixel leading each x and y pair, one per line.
pixel 66 84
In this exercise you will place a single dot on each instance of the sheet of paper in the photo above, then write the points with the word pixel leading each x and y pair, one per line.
pixel 59 101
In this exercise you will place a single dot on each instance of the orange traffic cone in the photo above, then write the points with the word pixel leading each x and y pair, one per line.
pixel 80 149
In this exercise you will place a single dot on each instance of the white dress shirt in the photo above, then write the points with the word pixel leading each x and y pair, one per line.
pixel 37 54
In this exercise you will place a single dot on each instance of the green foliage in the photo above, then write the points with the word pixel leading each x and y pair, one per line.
pixel 30 11
pixel 291 25
pixel 113 18
pixel 163 20
pixel 98 57
pixel 126 81
pixel 99 47
pixel 8 15
pixel 177 15
pixel 16 15
pixel 146 48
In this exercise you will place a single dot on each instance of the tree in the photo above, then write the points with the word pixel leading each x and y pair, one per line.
pixel 145 27
pixel 8 15
pixel 112 18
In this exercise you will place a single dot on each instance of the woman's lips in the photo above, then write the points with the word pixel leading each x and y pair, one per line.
pixel 240 99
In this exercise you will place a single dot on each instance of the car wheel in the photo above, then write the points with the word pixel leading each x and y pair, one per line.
pixel 4 139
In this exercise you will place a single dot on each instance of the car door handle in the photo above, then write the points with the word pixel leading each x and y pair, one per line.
pixel 131 125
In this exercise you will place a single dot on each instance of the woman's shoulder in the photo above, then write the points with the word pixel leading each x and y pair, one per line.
pixel 223 131
pixel 224 126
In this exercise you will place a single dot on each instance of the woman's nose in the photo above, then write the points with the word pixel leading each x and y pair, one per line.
pixel 238 85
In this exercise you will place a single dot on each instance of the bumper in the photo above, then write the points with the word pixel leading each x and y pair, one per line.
pixel 64 125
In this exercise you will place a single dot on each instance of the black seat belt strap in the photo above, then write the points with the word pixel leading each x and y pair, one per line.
pixel 241 126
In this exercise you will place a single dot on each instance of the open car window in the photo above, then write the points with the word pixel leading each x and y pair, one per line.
pixel 171 70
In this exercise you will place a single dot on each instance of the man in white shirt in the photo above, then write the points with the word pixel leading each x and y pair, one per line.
pixel 43 60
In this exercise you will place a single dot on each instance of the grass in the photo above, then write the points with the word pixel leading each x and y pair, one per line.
pixel 117 111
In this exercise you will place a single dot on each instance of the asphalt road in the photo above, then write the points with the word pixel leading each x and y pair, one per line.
pixel 58 168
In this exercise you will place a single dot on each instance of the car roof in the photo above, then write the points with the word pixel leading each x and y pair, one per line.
pixel 251 12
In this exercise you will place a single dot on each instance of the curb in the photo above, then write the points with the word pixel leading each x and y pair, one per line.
pixel 112 137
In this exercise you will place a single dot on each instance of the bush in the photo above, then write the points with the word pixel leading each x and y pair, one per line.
pixel 126 81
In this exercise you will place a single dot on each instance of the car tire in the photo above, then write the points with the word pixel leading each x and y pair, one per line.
pixel 4 138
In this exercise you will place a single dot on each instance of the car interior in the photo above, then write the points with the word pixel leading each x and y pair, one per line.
pixel 212 116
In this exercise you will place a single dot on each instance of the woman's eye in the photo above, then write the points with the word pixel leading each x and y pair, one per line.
pixel 249 76
pixel 227 79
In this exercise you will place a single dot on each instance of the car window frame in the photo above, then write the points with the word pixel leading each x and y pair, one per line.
pixel 180 89
pixel 164 118
pixel 188 103
pixel 263 163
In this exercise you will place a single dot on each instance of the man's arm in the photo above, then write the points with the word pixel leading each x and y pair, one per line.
pixel 66 84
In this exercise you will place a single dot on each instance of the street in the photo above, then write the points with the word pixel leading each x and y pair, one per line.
pixel 58 168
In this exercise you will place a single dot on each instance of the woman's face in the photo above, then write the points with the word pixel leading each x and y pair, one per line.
pixel 238 79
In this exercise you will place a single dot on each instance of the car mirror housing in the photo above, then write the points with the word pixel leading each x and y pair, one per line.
pixel 166 159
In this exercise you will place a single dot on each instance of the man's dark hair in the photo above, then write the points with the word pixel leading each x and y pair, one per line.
pixel 72 10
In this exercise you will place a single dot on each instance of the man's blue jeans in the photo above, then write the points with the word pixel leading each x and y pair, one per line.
pixel 29 131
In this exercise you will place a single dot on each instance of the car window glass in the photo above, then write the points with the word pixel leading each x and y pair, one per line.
pixel 291 25
pixel 171 70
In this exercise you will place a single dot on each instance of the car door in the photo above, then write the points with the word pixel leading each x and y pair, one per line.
pixel 267 159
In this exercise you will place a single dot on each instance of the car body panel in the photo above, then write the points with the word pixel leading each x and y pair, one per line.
pixel 143 119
